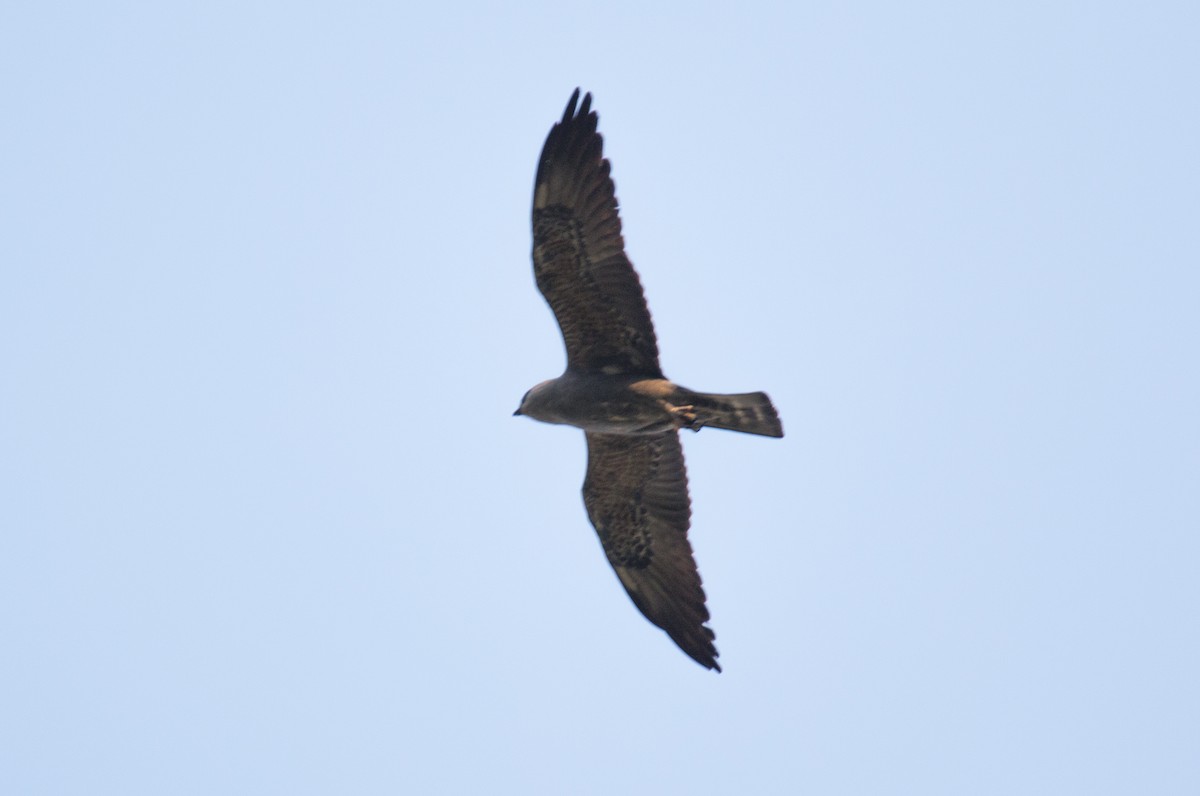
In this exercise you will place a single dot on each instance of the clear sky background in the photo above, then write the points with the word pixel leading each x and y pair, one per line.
pixel 266 308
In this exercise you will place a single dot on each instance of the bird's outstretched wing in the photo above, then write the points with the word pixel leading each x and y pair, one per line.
pixel 579 255
pixel 637 498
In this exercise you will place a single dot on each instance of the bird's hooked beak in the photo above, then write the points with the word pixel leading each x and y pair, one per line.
pixel 517 412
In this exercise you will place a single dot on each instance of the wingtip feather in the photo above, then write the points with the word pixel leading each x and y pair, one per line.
pixel 571 103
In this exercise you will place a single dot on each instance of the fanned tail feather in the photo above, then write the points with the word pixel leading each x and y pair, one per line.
pixel 751 413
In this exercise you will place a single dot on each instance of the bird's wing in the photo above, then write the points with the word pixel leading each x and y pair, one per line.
pixel 579 255
pixel 637 498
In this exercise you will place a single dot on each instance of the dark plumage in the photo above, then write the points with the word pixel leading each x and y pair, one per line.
pixel 579 255
pixel 636 490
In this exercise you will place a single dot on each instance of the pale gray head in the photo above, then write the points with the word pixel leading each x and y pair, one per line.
pixel 534 402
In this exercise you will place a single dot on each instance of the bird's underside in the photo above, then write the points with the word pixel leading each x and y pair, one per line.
pixel 635 490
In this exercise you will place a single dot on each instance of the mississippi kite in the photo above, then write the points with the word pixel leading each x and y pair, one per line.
pixel 636 491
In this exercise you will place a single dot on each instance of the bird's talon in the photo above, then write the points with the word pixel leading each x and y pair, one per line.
pixel 685 416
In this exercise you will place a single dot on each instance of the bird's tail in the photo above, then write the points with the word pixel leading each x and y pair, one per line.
pixel 750 412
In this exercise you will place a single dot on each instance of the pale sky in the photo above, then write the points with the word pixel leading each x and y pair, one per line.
pixel 266 308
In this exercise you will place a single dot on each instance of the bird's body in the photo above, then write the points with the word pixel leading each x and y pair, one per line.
pixel 613 388
pixel 625 404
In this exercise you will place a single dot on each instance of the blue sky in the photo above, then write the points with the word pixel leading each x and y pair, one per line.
pixel 266 308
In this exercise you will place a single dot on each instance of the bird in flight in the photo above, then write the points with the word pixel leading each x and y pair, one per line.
pixel 635 491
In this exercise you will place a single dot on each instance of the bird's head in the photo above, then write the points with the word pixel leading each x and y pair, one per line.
pixel 524 398
pixel 533 401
